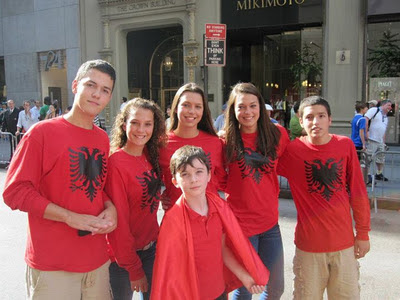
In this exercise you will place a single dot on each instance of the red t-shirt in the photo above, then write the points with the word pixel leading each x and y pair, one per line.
pixel 133 185
pixel 213 148
pixel 207 243
pixel 253 188
pixel 57 162
pixel 326 184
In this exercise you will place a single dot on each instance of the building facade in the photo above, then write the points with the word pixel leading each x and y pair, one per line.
pixel 288 48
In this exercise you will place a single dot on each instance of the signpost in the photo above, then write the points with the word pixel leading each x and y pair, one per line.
pixel 214 45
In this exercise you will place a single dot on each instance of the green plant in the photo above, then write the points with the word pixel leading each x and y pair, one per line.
pixel 307 67
pixel 385 60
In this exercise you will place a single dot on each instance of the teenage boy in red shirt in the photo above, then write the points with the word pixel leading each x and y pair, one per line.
pixel 57 176
pixel 201 251
pixel 327 186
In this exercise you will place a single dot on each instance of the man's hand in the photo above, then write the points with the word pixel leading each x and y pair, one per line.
pixel 87 222
pixel 140 285
pixel 109 215
pixel 361 248
pixel 17 133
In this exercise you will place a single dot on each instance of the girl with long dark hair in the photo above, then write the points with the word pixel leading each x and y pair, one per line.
pixel 253 147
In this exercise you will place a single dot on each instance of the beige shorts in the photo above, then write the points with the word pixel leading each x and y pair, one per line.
pixel 338 272
pixel 60 285
pixel 373 147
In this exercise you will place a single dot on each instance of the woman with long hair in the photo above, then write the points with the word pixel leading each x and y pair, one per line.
pixel 253 147
pixel 51 113
pixel 191 124
pixel 134 185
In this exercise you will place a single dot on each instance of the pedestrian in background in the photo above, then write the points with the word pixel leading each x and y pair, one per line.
pixel 57 176
pixel 328 189
pixel 10 122
pixel 220 120
pixel 253 146
pixel 35 110
pixel 25 119
pixel 45 108
pixel 376 125
pixel 134 184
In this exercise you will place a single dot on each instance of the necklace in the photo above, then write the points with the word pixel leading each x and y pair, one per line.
pixel 142 161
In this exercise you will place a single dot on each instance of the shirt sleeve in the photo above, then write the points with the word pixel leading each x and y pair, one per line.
pixel 359 201
pixel 283 168
pixel 19 123
pixel 21 190
pixel 121 240
pixel 362 123
pixel 371 112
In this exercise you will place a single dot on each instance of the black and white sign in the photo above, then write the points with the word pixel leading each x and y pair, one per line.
pixel 214 53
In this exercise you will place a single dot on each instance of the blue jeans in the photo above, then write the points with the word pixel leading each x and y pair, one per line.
pixel 269 247
pixel 119 277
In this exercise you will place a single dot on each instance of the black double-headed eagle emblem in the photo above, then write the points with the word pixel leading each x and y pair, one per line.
pixel 87 170
pixel 255 165
pixel 324 178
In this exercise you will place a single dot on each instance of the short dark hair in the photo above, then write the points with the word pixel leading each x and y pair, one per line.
pixel 359 106
pixel 185 156
pixel 98 64
pixel 311 101
pixel 47 100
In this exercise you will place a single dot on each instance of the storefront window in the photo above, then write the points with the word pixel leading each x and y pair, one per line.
pixel 383 70
pixel 269 62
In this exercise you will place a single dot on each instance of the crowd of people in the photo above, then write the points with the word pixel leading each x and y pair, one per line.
pixel 92 204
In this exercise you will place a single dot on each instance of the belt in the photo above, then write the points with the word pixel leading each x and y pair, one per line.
pixel 147 247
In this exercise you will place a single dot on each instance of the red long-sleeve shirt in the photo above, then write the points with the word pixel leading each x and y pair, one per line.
pixel 57 162
pixel 135 189
pixel 326 184
pixel 253 188
pixel 212 146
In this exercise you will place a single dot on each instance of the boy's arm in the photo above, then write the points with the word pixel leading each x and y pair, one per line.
pixel 359 203
pixel 362 132
pixel 21 190
pixel 121 240
pixel 236 268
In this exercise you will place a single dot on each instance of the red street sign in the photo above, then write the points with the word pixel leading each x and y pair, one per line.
pixel 216 31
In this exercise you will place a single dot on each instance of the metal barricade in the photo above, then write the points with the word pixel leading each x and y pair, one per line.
pixel 388 191
pixel 8 143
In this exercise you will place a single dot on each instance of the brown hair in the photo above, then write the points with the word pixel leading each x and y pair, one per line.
pixel 268 134
pixel 206 123
pixel 185 156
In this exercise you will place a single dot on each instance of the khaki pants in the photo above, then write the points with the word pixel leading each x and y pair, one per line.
pixel 338 272
pixel 50 285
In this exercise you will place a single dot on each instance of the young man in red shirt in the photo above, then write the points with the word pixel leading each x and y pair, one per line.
pixel 202 252
pixel 326 183
pixel 57 176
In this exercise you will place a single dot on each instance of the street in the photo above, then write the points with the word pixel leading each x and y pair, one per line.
pixel 380 269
